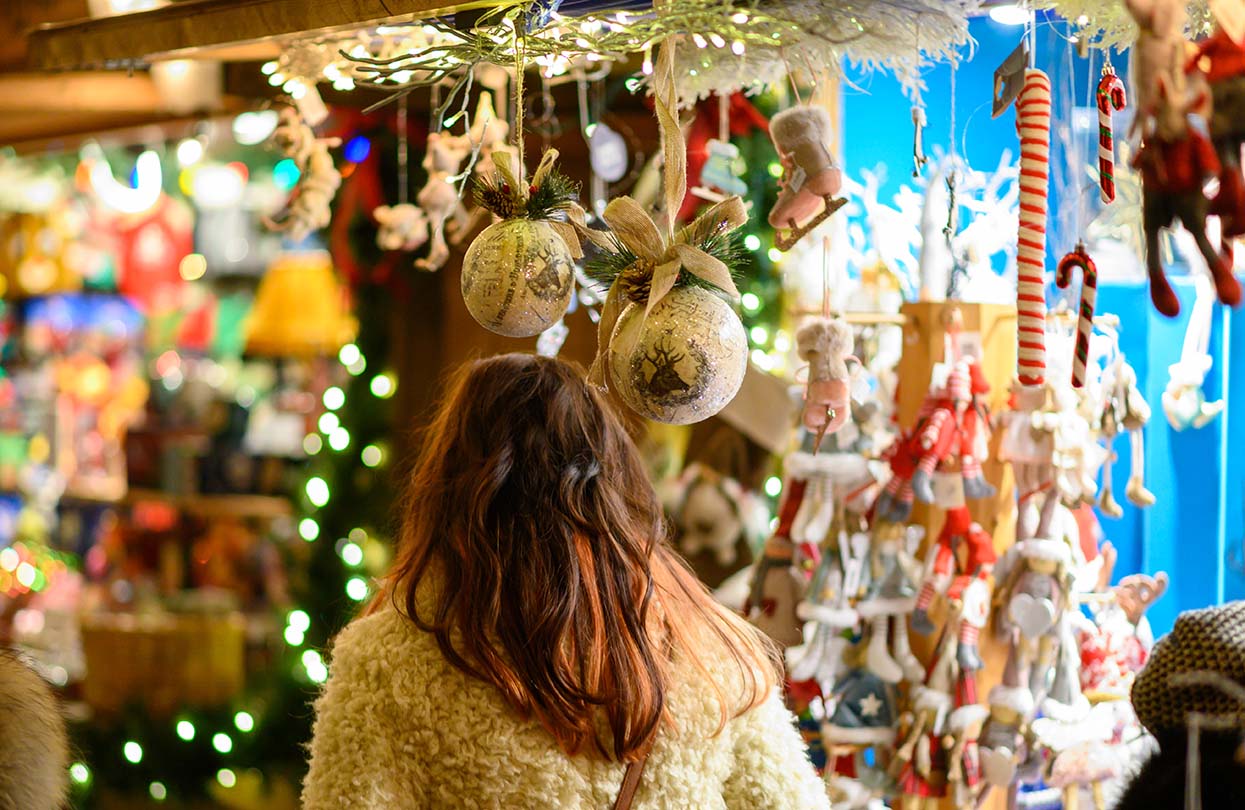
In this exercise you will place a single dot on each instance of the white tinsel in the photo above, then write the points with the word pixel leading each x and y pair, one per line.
pixel 1109 24
pixel 896 35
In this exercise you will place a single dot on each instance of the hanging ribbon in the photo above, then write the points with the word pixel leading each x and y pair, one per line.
pixel 661 251
pixel 575 224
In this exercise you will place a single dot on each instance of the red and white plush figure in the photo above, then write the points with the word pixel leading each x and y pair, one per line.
pixel 1175 161
pixel 1220 61
pixel 1033 126
pixel 951 429
pixel 921 756
pixel 961 538
pixel 1110 97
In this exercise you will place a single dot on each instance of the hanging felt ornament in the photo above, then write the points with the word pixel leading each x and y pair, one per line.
pixel 519 273
pixel 1089 296
pixel 675 350
pixel 1110 97
pixel 308 210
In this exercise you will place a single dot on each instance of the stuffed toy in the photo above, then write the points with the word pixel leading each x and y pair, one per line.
pixel 403 227
pixel 487 133
pixel 1029 601
pixel 712 513
pixel 1028 445
pixel 1002 736
pixel 439 198
pixel 826 345
pixel 1220 61
pixel 887 602
pixel 961 538
pixel 920 758
pixel 802 135
pixel 308 209
pixel 1124 408
pixel 718 172
pixel 778 581
pixel 964 758
pixel 951 428
pixel 1156 57
pixel 1175 161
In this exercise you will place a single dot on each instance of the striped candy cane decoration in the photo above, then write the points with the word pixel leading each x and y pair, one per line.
pixel 1033 127
pixel 1089 296
pixel 1110 96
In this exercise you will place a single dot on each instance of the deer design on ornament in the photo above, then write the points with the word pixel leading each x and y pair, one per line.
pixel 666 379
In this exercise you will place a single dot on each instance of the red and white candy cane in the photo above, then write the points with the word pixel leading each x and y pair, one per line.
pixel 1089 296
pixel 1033 127
pixel 1110 96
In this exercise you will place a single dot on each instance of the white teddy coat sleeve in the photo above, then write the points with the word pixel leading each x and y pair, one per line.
pixel 398 728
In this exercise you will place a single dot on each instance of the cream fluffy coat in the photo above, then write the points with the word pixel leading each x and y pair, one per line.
pixel 398 728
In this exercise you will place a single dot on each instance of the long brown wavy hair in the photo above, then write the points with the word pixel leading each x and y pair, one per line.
pixel 534 549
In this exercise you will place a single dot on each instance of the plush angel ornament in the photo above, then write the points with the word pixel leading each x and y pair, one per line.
pixel 964 775
pixel 308 210
pixel 439 198
pixel 403 227
pixel 1031 597
pixel 1125 408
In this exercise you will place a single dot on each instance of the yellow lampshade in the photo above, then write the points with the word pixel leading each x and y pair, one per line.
pixel 300 309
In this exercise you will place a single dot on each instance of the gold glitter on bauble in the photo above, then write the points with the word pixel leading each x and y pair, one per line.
pixel 684 362
pixel 518 277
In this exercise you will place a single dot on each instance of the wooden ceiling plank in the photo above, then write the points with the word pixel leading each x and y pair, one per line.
pixel 187 27
pixel 89 91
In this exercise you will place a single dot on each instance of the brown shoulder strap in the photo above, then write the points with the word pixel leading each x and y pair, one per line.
pixel 630 783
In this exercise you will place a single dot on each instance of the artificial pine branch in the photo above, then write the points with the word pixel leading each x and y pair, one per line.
pixel 620 265
pixel 553 196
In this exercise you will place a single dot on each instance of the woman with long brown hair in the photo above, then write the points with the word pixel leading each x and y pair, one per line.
pixel 537 639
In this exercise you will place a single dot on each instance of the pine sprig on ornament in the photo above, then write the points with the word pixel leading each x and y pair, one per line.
pixel 635 276
pixel 548 199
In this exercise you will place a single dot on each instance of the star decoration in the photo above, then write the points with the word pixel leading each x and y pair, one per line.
pixel 870 705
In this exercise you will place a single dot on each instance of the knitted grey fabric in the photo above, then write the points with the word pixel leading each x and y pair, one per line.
pixel 1211 640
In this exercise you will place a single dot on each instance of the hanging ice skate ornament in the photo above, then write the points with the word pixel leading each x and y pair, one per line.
pixel 1110 97
pixel 810 178
pixel 826 344
pixel 1089 295
pixel 308 208
pixel 519 273
pixel 672 347
pixel 1175 161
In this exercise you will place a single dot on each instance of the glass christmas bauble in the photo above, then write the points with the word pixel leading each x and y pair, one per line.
pixel 684 362
pixel 518 276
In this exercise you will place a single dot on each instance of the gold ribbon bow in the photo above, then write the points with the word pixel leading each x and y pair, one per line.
pixel 568 230
pixel 666 251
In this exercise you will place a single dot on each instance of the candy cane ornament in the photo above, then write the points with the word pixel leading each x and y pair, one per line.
pixel 1033 127
pixel 1110 97
pixel 1089 296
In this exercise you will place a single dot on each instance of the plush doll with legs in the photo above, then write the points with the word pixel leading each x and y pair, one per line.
pixel 402 227
pixel 960 537
pixel 803 135
pixel 1124 408
pixel 1220 61
pixel 439 198
pixel 778 581
pixel 1175 162
pixel 950 431
pixel 826 345
pixel 1157 55
pixel 964 759
pixel 920 759
pixel 1029 602
pixel 1002 737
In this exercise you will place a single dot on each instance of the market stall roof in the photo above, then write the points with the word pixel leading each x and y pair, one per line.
pixel 229 30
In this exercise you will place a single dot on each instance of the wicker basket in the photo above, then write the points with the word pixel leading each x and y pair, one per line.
pixel 165 662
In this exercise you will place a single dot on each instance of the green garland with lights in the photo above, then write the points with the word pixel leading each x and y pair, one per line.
pixel 343 501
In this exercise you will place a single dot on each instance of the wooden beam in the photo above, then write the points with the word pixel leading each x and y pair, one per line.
pixel 19 16
pixel 186 29
pixel 93 91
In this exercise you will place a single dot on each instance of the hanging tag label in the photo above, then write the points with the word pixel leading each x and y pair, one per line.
pixel 1230 14
pixel 311 107
pixel 1009 78
pixel 797 179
